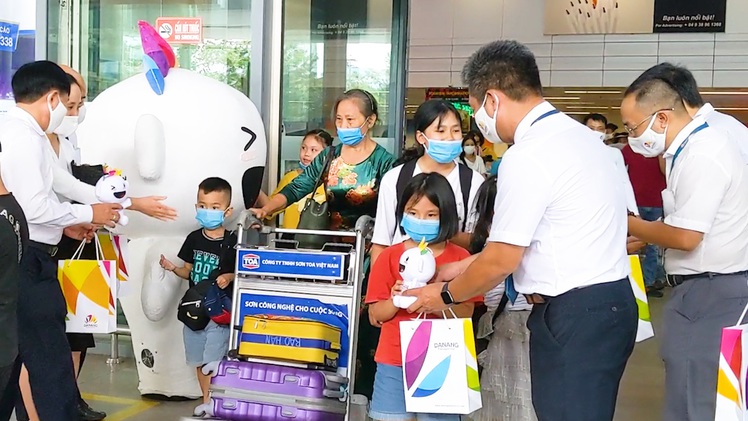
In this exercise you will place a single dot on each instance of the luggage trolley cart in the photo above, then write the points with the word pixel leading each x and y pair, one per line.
pixel 283 280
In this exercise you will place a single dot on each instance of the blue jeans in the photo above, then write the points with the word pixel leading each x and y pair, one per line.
pixel 651 266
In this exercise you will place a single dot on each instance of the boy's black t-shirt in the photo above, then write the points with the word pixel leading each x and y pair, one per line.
pixel 14 237
pixel 207 255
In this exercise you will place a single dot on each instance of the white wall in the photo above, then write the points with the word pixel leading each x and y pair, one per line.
pixel 444 33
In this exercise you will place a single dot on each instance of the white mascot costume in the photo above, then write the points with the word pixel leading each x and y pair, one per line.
pixel 168 130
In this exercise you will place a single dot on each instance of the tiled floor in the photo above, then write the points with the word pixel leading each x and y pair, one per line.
pixel 115 389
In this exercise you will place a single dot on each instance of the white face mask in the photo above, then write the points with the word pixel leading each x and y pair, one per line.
pixel 55 116
pixel 650 144
pixel 81 113
pixel 68 126
pixel 469 150
pixel 608 136
pixel 486 124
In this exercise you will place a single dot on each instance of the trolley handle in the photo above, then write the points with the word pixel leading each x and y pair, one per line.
pixel 364 225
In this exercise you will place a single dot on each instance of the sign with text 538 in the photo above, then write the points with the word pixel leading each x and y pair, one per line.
pixel 8 36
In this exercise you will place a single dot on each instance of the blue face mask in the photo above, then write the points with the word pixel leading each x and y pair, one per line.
pixel 351 136
pixel 444 151
pixel 420 229
pixel 302 165
pixel 210 218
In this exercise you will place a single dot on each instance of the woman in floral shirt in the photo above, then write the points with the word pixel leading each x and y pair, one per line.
pixel 352 187
pixel 354 175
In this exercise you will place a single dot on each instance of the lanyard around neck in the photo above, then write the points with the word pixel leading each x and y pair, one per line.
pixel 548 114
pixel 683 145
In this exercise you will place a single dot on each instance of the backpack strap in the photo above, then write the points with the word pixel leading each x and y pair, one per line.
pixel 406 173
pixel 466 181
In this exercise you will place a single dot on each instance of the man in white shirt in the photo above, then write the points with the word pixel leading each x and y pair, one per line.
pixel 560 228
pixel 41 92
pixel 598 123
pixel 704 233
pixel 682 80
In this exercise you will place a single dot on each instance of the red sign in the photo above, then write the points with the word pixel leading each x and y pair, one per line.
pixel 180 30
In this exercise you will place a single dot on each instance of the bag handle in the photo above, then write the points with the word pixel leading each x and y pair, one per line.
pixel 322 177
pixel 444 314
pixel 742 316
pixel 99 250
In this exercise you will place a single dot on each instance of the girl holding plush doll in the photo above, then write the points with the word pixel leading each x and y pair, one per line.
pixel 426 212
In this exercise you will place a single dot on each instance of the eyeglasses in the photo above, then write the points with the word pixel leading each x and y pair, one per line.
pixel 632 130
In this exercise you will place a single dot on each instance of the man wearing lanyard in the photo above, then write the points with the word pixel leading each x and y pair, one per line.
pixel 560 228
pixel 41 92
pixel 682 80
pixel 704 233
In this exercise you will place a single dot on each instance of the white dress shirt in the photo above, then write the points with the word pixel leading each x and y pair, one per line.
pixel 735 130
pixel 27 172
pixel 386 230
pixel 559 197
pixel 707 191
pixel 67 187
pixel 623 176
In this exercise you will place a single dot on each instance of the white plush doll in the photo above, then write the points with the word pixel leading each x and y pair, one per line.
pixel 112 188
pixel 417 267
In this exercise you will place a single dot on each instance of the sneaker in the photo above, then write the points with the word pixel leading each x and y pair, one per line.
pixel 659 284
pixel 85 413
pixel 654 292
pixel 202 410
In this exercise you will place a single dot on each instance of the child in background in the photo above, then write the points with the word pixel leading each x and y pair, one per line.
pixel 505 381
pixel 315 141
pixel 207 252
pixel 426 211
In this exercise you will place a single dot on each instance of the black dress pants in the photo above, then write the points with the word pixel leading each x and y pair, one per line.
pixel 580 342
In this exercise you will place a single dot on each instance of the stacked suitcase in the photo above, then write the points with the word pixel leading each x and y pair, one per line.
pixel 268 389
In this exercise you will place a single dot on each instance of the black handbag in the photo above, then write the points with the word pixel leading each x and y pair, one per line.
pixel 316 216
pixel 191 310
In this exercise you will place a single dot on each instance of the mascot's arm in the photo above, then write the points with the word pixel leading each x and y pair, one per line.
pixel 63 183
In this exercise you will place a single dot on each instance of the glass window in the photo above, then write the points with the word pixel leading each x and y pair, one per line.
pixel 17 44
pixel 110 49
pixel 331 46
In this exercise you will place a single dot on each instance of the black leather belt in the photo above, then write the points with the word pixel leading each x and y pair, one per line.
pixel 50 250
pixel 675 280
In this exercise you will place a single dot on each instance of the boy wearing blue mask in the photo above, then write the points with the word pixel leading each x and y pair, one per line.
pixel 202 253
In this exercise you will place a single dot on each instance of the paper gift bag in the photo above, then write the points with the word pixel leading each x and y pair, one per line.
pixel 114 247
pixel 440 370
pixel 645 330
pixel 731 375
pixel 90 290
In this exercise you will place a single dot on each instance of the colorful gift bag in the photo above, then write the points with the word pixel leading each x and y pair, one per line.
pixel 440 370
pixel 114 247
pixel 731 376
pixel 645 330
pixel 90 290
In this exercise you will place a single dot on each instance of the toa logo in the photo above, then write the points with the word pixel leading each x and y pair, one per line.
pixel 250 261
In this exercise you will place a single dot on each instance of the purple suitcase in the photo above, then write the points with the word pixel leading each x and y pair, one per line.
pixel 253 391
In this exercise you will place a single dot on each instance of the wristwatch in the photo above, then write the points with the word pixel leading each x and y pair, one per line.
pixel 447 296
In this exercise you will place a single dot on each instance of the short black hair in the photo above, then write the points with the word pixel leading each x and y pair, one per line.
pixel 36 79
pixel 72 80
pixel 612 127
pixel 426 114
pixel 484 209
pixel 595 117
pixel 437 189
pixel 655 92
pixel 680 79
pixel 322 136
pixel 508 66
pixel 215 184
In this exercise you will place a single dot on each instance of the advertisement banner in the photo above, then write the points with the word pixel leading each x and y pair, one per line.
pixel 17 45
pixel 564 17
pixel 294 264
pixel 333 311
